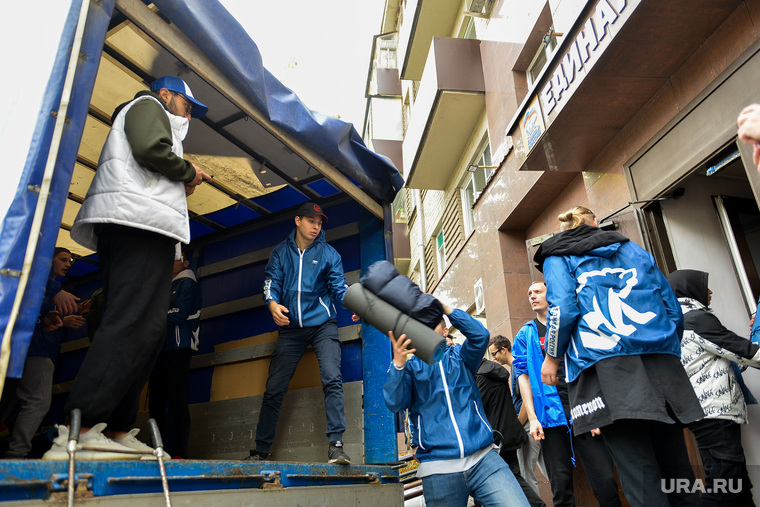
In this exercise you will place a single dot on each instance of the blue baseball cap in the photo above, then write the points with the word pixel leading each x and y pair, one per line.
pixel 175 84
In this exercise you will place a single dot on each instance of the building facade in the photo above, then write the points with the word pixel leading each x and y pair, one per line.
pixel 502 114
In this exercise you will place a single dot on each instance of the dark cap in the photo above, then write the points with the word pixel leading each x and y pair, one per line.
pixel 309 209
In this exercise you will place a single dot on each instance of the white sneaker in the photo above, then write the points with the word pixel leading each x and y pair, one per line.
pixel 93 446
pixel 58 451
pixel 130 441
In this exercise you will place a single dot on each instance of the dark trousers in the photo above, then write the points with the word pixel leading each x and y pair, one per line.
pixel 559 449
pixel 168 391
pixel 720 445
pixel 648 456
pixel 511 458
pixel 137 274
pixel 557 454
pixel 291 345
pixel 597 463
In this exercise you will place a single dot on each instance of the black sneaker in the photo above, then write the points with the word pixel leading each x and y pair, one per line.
pixel 336 455
pixel 257 456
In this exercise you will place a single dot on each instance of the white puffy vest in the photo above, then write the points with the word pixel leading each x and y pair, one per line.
pixel 125 193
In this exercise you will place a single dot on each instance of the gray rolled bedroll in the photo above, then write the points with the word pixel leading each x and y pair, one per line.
pixel 386 317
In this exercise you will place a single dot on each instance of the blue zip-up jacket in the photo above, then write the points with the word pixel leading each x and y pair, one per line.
pixel 608 301
pixel 307 283
pixel 528 359
pixel 445 409
pixel 184 316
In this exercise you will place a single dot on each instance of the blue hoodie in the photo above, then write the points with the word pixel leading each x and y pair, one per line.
pixel 608 301
pixel 307 283
pixel 445 409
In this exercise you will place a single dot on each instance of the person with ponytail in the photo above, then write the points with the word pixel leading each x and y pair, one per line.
pixel 616 321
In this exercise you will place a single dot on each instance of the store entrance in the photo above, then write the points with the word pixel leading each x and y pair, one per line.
pixel 714 227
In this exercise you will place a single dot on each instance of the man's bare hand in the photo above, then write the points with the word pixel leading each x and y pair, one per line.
pixel 400 350
pixel 65 302
pixel 549 371
pixel 200 177
pixel 277 310
pixel 748 124
pixel 84 307
pixel 51 321
pixel 74 321
pixel 536 430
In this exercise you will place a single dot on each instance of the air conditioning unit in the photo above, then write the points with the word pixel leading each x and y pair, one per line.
pixel 480 302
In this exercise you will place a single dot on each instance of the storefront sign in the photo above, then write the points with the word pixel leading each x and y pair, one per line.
pixel 597 33
pixel 532 124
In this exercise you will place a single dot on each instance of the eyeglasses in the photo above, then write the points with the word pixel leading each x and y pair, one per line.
pixel 188 104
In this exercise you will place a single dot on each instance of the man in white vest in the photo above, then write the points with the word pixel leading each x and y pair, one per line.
pixel 134 214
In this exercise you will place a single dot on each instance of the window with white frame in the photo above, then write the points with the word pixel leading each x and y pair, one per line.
pixel 469 30
pixel 543 55
pixel 479 174
pixel 440 252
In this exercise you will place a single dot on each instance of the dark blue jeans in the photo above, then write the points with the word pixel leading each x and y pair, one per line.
pixel 489 482
pixel 291 345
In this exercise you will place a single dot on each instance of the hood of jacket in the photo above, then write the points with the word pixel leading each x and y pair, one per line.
pixel 689 283
pixel 578 241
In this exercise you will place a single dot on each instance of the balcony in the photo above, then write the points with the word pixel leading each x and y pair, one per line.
pixel 450 102
pixel 426 19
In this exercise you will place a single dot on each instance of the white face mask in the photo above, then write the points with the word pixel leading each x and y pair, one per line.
pixel 180 126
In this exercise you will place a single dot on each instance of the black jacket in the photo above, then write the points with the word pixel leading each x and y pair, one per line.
pixel 575 242
pixel 493 383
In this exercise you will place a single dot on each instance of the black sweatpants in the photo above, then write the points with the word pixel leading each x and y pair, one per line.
pixel 650 456
pixel 558 452
pixel 727 481
pixel 559 466
pixel 137 274
pixel 597 463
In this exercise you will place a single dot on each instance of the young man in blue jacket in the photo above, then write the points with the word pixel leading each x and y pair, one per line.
pixel 454 440
pixel 302 280
pixel 549 416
